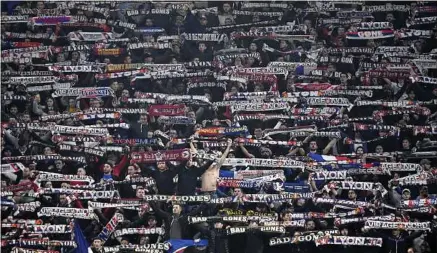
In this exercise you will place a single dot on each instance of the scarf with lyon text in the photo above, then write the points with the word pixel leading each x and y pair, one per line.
pixel 92 116
pixel 49 229
pixel 14 97
pixel 75 69
pixel 200 65
pixel 364 186
pixel 349 240
pixel 226 131
pixel 75 138
pixel 269 198
pixel 250 95
pixel 83 194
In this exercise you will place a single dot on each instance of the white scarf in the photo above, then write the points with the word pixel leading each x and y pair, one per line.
pixel 398 225
pixel 78 213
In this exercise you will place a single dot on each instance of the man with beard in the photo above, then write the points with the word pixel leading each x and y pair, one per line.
pixel 164 178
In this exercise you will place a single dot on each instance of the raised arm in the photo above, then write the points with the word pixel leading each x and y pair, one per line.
pixel 245 152
pixel 329 146
pixel 225 154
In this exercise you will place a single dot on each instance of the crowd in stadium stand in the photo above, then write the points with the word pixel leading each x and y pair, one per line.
pixel 218 127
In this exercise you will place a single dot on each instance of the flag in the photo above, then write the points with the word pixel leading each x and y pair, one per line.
pixel 178 245
pixel 329 158
pixel 79 238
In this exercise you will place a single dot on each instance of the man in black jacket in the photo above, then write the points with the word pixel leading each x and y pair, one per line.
pixel 217 238
pixel 175 223
pixel 188 176
pixel 164 178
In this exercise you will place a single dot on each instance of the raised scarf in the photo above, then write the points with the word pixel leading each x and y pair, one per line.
pixel 84 92
pixel 166 110
pixel 165 155
pixel 110 227
pixel 260 107
pixel 38 242
pixel 258 162
pixel 139 231
pixel 414 226
pixel 349 240
pixel 78 213
pixel 176 120
pixel 80 159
